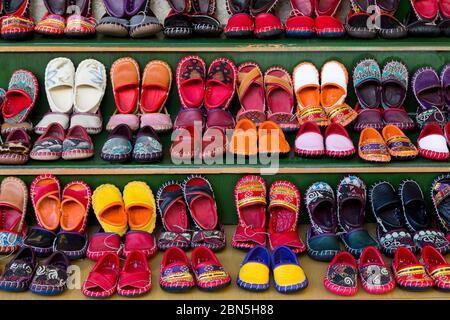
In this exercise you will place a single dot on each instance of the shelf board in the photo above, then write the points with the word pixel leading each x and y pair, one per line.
pixel 231 259
pixel 161 44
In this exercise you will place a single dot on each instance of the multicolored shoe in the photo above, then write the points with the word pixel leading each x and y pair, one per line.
pixel 437 267
pixel 287 273
pixel 342 275
pixel 254 274
pixel 209 272
pixel 440 192
pixel 375 275
pixel 409 273
pixel 176 273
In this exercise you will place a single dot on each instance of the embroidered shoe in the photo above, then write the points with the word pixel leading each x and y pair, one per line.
pixel 409 273
pixel 175 273
pixel 437 267
pixel 51 276
pixel 18 273
pixel 375 275
pixel 440 192
pixel 341 277
pixel 209 272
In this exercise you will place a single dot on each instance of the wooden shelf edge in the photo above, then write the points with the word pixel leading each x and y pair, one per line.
pixel 225 170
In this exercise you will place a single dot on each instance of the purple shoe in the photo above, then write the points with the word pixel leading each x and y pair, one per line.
pixel 115 8
pixel 445 83
pixel 148 147
pixel 427 89
pixel 133 7
pixel 51 276
pixel 19 271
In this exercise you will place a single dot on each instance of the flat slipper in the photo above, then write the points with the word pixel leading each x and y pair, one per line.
pixel 190 77
pixel 209 273
pixel 244 141
pixel 175 275
pixel 118 147
pixel 77 144
pixel 309 141
pixel 18 273
pixel 51 275
pixel 341 277
pixel 338 143
pixel 16 148
pixel 220 84
pixel 288 275
pixel 300 23
pixel 399 145
pixel 409 273
pixel 372 147
pixel 440 192
pixel 268 26
pixel 135 278
pixel 374 273
pixel 140 206
pixel 113 26
pixel 102 279
pixel 437 267
pixel 45 197
pixel 239 25
pixel 367 83
pixel 148 146
pixel 254 272
pixel 271 139
pixel 432 143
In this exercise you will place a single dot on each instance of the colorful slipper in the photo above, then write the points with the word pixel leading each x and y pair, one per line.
pixel 135 279
pixel 280 98
pixel 199 197
pixel 342 275
pixel 148 147
pixel 19 100
pixel 372 147
pixel 144 24
pixel 309 141
pixel 375 275
pixel 209 272
pixel 79 26
pixel 250 88
pixel 409 273
pixel 437 267
pixel 271 139
pixel 333 92
pixel 175 273
pixel 140 206
pixel 102 243
pixel 399 145
pixel 13 207
pixel 268 26
pixel 327 23
pixel 321 238
pixel 51 25
pixel 367 83
pixel 156 84
pixel 51 276
pixel 102 279
pixel 300 23
pixel 18 273
pixel 445 81
pixel 244 141
pixel 307 92
pixel 250 199
pixel 49 146
pixel 368 118
pixel 254 273
pixel 440 192
pixel 77 144
pixel 125 79
pixel 113 26
pixel 214 144
pixel 417 219
pixel 173 212
pixel 338 143
pixel 109 209
pixel 284 208
pixel 288 275
pixel 118 147
pixel 16 148
pixel 351 205
pixel 141 241
pixel 432 143
pixel 239 25
pixel 220 84
pixel 190 77
pixel 187 141
pixel 89 90
pixel 17 27
pixel 45 197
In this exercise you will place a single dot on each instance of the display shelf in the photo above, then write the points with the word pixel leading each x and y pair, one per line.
pixel 161 44
pixel 231 259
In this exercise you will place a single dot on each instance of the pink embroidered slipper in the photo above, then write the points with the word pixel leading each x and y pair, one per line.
pixel 338 143
pixel 375 276
pixel 135 279
pixel 342 275
pixel 209 272
pixel 284 208
pixel 437 267
pixel 432 144
pixel 175 273
pixel 309 141
pixel 250 199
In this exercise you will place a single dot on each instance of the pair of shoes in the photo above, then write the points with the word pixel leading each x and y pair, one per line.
pixel 253 17
pixel 119 145
pixel 377 88
pixel 322 100
pixel 431 92
pixel 133 279
pixel 62 17
pixel 410 274
pixel 393 143
pixel 342 274
pixel 54 143
pixel 275 88
pixel 327 214
pixel 288 275
pixel 428 18
pixel 23 272
pixel 16 148
pixel 18 101
pixel 336 143
pixel 17 23
pixel 102 243
pixel 174 200
pixel 207 272
pixel 128 18
pixel 440 190
pixel 284 207
pixel 301 24
pixel 13 207
pixel 74 97
pixel 403 220
pixel 433 142
pixel 188 17
pixel 366 25
pixel 149 102
pixel 136 209
pixel 67 211
pixel 249 141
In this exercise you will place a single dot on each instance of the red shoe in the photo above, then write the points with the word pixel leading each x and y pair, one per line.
pixel 342 275
pixel 432 143
pixel 102 280
pixel 268 26
pixel 250 197
pixel 220 84
pixel 139 241
pixel 300 23
pixel 327 24
pixel 102 243
pixel 175 273
pixel 190 76
pixel 239 25
pixel 135 279
pixel 437 267
pixel 284 207
pixel 409 273
pixel 375 276
pixel 209 272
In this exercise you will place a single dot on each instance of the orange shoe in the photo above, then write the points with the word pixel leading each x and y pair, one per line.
pixel 399 145
pixel 271 139
pixel 372 146
pixel 244 141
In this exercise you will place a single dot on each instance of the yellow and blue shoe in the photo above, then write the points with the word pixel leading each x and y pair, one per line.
pixel 254 274
pixel 287 273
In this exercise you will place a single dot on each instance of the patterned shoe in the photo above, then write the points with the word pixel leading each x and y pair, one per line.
pixel 175 273
pixel 254 273
pixel 17 27
pixel 80 27
pixel 375 276
pixel 437 267
pixel 440 192
pixel 372 147
pixel 399 145
pixel 118 147
pixel 51 25
pixel 51 276
pixel 409 273
pixel 77 144
pixel 342 275
pixel 18 273
pixel 209 272
pixel 49 146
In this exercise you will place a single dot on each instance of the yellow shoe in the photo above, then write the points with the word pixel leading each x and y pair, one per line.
pixel 109 209
pixel 287 273
pixel 254 272
pixel 140 206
